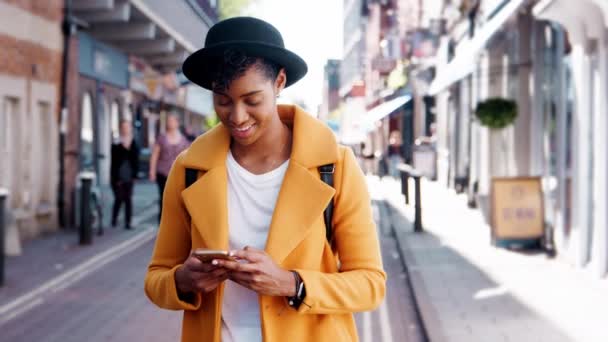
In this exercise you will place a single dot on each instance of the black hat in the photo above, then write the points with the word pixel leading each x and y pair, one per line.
pixel 252 36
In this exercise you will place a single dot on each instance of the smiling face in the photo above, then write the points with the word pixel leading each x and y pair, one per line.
pixel 247 107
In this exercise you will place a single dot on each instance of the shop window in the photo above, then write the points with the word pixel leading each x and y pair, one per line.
pixel 86 133
pixel 11 149
pixel 115 120
pixel 44 156
pixel 4 128
pixel 5 111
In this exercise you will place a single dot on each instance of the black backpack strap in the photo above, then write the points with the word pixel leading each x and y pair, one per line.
pixel 327 176
pixel 191 176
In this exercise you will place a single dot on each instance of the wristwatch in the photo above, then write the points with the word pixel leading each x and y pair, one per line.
pixel 296 301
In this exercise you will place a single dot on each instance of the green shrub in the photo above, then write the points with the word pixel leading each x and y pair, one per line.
pixel 496 113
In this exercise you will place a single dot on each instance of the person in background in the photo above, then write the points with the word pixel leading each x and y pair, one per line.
pixel 394 153
pixel 189 134
pixel 123 171
pixel 368 156
pixel 166 149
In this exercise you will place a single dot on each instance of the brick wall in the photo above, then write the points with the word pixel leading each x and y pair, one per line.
pixel 48 9
pixel 25 59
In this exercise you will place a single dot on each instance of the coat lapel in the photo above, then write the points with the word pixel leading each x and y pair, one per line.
pixel 301 201
pixel 206 201
pixel 302 198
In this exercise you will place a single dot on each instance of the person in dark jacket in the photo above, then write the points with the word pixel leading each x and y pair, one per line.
pixel 125 155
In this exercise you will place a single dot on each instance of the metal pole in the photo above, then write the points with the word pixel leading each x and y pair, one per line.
pixel 68 29
pixel 85 231
pixel 406 185
pixel 403 185
pixel 418 220
pixel 3 195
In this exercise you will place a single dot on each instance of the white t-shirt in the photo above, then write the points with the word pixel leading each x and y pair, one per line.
pixel 251 202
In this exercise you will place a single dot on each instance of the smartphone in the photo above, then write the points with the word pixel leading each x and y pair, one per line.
pixel 208 255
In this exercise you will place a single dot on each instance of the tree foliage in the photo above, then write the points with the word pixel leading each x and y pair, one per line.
pixel 232 8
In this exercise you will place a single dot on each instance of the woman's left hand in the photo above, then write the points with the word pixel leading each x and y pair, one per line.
pixel 259 273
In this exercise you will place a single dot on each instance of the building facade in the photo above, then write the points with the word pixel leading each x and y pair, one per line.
pixel 330 97
pixel 553 63
pixel 31 47
pixel 124 64
pixel 69 72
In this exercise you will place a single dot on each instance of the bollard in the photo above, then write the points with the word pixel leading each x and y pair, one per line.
pixel 85 230
pixel 418 205
pixel 3 195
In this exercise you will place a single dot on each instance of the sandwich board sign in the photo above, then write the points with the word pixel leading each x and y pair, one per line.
pixel 517 210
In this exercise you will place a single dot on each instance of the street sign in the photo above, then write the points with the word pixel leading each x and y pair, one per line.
pixel 517 208
pixel 425 160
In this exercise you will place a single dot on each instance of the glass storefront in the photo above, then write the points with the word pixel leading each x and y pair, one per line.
pixel 87 149
pixel 558 94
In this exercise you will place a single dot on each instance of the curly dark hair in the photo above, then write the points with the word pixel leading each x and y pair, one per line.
pixel 234 63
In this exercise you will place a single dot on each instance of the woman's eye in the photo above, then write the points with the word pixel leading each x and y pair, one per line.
pixel 252 103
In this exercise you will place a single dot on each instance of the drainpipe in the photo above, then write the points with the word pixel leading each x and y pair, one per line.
pixel 68 28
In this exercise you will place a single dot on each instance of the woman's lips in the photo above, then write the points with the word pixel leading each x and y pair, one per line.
pixel 242 132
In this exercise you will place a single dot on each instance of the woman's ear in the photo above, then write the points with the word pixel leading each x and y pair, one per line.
pixel 279 83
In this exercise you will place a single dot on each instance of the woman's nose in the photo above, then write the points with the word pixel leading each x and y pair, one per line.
pixel 239 115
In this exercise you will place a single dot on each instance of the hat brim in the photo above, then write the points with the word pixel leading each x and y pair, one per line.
pixel 198 66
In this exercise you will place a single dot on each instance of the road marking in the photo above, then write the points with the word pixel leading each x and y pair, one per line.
pixel 367 326
pixel 386 330
pixel 22 309
pixel 33 298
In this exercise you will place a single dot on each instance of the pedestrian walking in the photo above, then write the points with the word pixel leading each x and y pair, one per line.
pixel 123 171
pixel 166 149
pixel 274 189
pixel 394 153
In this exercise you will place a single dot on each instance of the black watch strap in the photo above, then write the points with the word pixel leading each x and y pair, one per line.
pixel 296 301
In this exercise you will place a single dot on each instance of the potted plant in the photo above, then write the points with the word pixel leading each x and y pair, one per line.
pixel 496 113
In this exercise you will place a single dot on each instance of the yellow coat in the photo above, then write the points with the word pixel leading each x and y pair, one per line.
pixel 197 217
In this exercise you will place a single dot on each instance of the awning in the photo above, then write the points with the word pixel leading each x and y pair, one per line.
pixel 383 110
pixel 465 60
pixel 162 32
pixel 583 20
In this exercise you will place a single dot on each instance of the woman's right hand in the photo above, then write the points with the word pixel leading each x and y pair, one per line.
pixel 152 176
pixel 194 276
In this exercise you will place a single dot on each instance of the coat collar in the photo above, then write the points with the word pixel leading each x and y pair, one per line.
pixel 302 198
pixel 313 143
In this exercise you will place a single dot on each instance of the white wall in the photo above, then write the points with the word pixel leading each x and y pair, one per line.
pixel 44 164
pixel 30 170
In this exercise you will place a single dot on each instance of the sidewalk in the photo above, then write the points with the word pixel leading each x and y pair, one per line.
pixel 48 256
pixel 468 290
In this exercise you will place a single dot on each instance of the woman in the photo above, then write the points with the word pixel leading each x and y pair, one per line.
pixel 394 153
pixel 123 171
pixel 260 195
pixel 167 147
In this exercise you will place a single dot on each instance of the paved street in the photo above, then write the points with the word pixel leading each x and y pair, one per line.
pixel 51 255
pixel 107 303
pixel 469 290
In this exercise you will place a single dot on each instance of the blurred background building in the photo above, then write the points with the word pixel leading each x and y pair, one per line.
pixel 421 68
pixel 70 71
pixel 31 47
